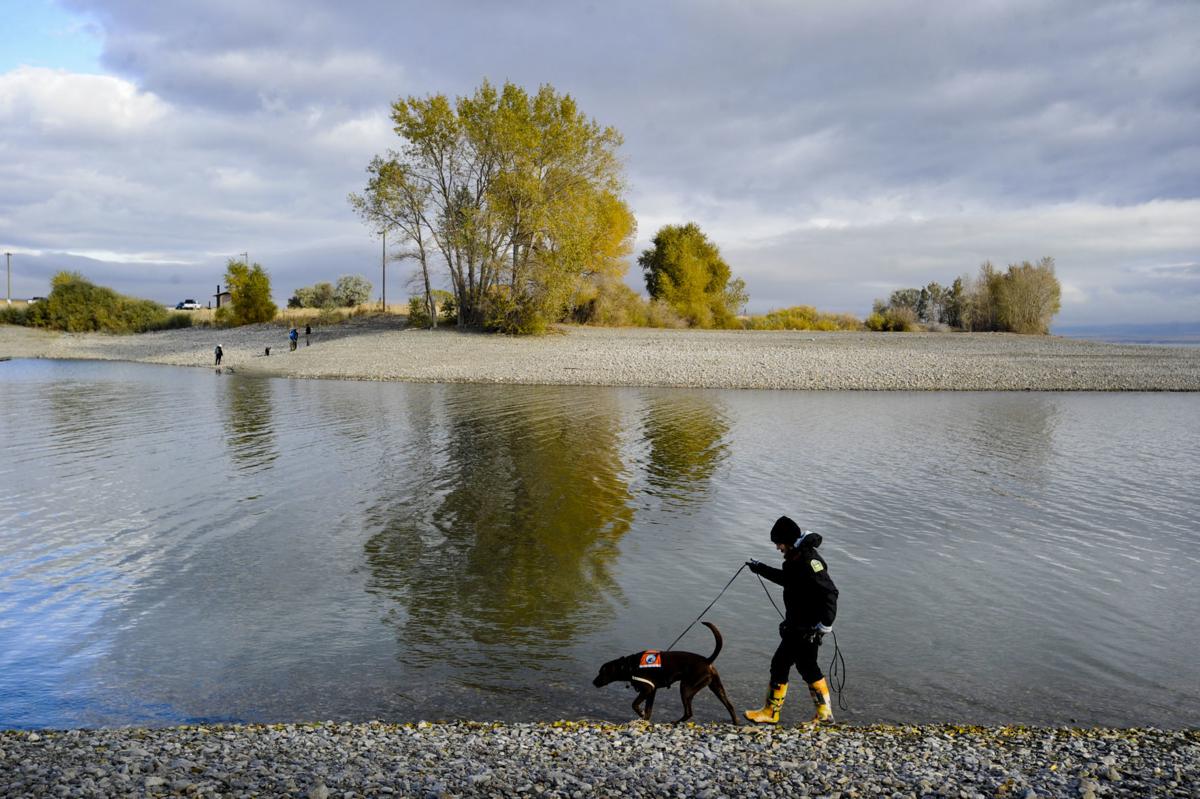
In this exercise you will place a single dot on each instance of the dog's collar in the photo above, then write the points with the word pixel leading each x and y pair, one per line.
pixel 642 679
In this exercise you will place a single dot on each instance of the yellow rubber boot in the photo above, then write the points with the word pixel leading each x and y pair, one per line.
pixel 819 691
pixel 774 703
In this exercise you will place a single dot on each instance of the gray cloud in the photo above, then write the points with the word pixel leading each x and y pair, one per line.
pixel 832 149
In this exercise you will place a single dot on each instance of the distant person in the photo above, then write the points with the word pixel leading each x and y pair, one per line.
pixel 307 333
pixel 810 599
pixel 219 352
pixel 293 337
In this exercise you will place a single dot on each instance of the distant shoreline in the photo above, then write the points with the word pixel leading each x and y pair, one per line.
pixel 374 348
pixel 1166 334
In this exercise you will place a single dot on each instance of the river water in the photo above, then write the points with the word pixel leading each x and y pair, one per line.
pixel 181 546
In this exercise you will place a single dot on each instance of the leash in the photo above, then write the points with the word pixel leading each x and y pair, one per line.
pixel 710 604
pixel 837 672
pixel 837 666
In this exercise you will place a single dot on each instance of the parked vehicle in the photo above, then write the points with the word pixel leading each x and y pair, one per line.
pixel 32 300
pixel 188 305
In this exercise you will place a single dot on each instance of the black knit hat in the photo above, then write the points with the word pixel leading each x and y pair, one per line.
pixel 785 531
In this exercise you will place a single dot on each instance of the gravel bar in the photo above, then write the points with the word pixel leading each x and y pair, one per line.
pixel 581 759
pixel 379 348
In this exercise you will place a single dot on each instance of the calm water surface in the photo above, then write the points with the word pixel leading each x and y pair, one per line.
pixel 179 546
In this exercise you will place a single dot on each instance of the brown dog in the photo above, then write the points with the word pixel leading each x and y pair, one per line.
pixel 648 671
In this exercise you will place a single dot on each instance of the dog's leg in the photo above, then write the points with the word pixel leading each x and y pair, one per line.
pixel 651 692
pixel 646 695
pixel 686 692
pixel 718 688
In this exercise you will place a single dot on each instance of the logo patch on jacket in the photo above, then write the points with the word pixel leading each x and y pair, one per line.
pixel 651 659
pixel 816 565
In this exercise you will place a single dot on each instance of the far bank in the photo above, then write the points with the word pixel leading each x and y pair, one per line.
pixel 374 349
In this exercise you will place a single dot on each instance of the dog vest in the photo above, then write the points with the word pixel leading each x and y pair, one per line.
pixel 650 659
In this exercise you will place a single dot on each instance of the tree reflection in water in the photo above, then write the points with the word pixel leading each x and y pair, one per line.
pixel 247 414
pixel 686 435
pixel 504 548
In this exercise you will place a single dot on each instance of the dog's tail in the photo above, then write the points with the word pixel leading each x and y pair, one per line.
pixel 716 634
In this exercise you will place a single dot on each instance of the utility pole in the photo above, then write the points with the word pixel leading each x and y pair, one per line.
pixel 8 261
pixel 383 267
pixel 246 256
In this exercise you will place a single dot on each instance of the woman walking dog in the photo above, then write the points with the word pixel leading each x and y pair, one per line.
pixel 810 599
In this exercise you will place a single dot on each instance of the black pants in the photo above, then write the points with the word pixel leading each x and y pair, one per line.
pixel 800 650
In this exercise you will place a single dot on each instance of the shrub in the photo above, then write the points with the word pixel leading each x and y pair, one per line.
pixel 892 320
pixel 76 305
pixel 443 301
pixel 660 314
pixel 13 315
pixel 446 305
pixel 609 302
pixel 418 313
pixel 802 317
pixel 504 313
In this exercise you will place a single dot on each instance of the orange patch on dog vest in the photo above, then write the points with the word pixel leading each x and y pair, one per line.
pixel 651 659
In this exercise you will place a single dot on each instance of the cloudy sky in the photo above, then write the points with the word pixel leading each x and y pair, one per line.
pixel 835 151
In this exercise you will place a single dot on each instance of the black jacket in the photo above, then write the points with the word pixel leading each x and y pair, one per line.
pixel 809 595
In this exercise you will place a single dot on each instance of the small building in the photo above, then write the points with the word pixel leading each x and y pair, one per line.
pixel 223 297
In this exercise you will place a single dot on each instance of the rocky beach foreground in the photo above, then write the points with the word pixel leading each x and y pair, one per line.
pixel 382 348
pixel 579 759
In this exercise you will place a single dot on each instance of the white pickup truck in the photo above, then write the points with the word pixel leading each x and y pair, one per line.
pixel 187 305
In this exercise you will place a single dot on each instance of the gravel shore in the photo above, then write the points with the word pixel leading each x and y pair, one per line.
pixel 571 759
pixel 382 349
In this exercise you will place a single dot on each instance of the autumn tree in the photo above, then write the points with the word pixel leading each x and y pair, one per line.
pixel 1022 299
pixel 250 290
pixel 516 196
pixel 685 269
pixel 1029 297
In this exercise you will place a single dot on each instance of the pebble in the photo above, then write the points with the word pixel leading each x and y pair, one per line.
pixel 584 759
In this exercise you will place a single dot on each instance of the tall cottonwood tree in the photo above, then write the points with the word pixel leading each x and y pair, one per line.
pixel 1030 296
pixel 685 270
pixel 516 196
pixel 250 289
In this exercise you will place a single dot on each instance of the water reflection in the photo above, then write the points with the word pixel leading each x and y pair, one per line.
pixel 247 415
pixel 432 551
pixel 686 437
pixel 1017 432
pixel 90 417
pixel 515 552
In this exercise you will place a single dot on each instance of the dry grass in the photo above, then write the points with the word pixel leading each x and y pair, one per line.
pixel 291 317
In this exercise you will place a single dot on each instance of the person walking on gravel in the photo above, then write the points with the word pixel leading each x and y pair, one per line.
pixel 810 599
